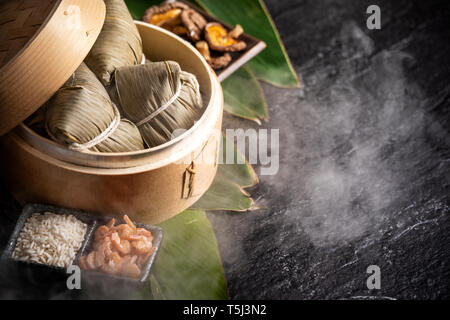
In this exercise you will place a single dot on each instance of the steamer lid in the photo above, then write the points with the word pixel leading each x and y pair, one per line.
pixel 42 42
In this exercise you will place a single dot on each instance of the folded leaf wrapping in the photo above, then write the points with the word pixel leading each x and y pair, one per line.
pixel 119 43
pixel 81 115
pixel 159 98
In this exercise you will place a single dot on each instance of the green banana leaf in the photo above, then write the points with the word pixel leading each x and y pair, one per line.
pixel 244 97
pixel 137 7
pixel 239 171
pixel 226 195
pixel 227 191
pixel 188 265
pixel 242 92
pixel 272 64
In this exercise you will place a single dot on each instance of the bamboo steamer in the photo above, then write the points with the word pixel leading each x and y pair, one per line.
pixel 151 185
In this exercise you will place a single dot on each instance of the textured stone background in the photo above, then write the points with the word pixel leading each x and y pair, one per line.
pixel 364 160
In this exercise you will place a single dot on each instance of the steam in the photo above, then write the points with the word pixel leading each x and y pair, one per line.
pixel 351 127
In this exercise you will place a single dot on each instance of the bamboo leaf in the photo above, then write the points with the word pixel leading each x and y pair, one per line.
pixel 137 7
pixel 156 291
pixel 188 265
pixel 272 64
pixel 239 170
pixel 227 191
pixel 244 97
pixel 225 195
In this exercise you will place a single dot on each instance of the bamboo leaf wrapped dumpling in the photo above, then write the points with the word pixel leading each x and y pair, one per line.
pixel 119 43
pixel 82 116
pixel 158 97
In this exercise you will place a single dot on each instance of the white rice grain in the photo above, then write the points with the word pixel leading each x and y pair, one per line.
pixel 51 239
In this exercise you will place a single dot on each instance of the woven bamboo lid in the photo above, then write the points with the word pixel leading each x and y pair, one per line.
pixel 42 42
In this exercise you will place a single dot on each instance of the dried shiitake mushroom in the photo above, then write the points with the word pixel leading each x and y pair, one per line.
pixel 203 48
pixel 194 22
pixel 214 62
pixel 220 40
pixel 236 32
pixel 220 62
pixel 184 21
pixel 165 15
pixel 179 30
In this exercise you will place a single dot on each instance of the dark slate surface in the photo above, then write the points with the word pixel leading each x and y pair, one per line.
pixel 364 161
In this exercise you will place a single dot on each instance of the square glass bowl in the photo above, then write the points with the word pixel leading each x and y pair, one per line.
pixel 40 273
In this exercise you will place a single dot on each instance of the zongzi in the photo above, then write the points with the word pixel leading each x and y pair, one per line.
pixel 158 97
pixel 81 115
pixel 119 43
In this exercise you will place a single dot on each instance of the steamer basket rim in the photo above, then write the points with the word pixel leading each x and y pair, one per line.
pixel 117 160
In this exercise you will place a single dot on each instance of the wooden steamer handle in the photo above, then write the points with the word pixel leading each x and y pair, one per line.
pixel 192 174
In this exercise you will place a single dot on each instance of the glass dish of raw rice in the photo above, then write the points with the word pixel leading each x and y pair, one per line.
pixel 49 236
pixel 47 240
